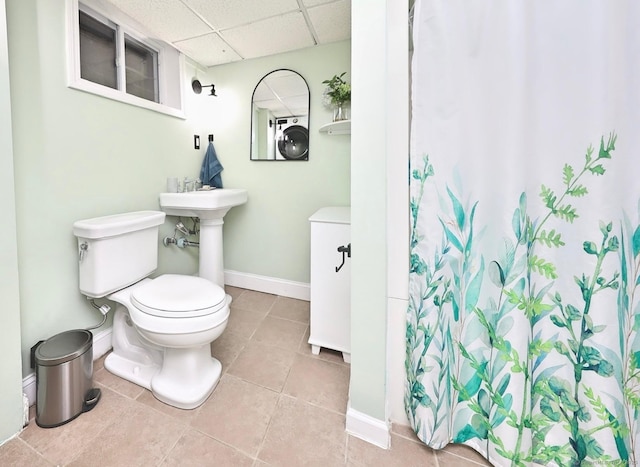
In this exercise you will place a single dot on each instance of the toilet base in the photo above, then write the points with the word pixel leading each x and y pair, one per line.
pixel 185 380
pixel 187 377
pixel 181 377
pixel 131 370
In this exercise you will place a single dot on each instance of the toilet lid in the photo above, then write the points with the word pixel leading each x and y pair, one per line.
pixel 178 296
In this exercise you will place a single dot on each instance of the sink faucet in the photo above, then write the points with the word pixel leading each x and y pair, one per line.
pixel 189 185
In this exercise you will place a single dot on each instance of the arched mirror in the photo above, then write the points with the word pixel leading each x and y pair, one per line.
pixel 280 118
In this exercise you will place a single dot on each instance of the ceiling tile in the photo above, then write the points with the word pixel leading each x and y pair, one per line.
pixel 271 36
pixel 169 19
pixel 332 21
pixel 308 3
pixel 208 50
pixel 223 14
pixel 248 28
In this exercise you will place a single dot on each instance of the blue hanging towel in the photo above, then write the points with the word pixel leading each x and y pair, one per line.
pixel 211 168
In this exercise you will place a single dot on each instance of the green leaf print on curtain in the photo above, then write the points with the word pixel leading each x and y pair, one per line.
pixel 524 358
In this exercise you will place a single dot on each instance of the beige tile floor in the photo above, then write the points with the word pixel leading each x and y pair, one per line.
pixel 276 404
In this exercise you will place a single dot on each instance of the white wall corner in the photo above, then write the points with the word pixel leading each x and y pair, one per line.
pixel 367 428
pixel 272 285
pixel 101 345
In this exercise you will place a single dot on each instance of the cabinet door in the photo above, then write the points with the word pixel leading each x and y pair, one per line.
pixel 330 290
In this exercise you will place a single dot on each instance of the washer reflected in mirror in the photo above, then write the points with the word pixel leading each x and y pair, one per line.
pixel 280 118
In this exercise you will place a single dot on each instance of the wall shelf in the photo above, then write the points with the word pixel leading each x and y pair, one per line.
pixel 343 127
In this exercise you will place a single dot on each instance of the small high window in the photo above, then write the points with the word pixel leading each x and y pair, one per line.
pixel 105 49
pixel 108 57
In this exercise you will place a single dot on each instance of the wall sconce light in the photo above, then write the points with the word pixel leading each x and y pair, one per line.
pixel 197 87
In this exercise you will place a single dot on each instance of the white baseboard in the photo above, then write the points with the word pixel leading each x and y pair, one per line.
pixel 367 428
pixel 272 285
pixel 29 387
pixel 101 345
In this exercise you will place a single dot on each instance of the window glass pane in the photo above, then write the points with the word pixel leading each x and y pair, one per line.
pixel 141 64
pixel 97 51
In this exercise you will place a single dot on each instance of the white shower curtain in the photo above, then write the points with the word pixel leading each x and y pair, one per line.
pixel 523 329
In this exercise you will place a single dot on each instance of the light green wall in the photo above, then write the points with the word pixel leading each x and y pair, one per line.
pixel 78 155
pixel 368 211
pixel 379 158
pixel 10 373
pixel 269 235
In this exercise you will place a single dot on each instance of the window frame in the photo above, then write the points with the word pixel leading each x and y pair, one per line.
pixel 169 91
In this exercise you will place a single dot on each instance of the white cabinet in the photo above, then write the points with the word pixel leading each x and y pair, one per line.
pixel 331 280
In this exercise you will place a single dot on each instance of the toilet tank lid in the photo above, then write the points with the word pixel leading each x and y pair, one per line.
pixel 117 224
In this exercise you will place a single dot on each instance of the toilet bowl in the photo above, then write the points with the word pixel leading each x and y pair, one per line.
pixel 162 327
pixel 163 343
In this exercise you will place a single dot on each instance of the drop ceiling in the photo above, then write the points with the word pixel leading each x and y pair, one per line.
pixel 214 32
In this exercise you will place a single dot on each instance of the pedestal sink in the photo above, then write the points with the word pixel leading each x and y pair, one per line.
pixel 210 207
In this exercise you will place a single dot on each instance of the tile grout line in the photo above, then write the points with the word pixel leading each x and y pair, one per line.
pixel 166 454
pixel 296 352
pixel 226 370
pixel 303 401
pixel 443 450
pixel 224 443
pixel 316 357
pixel 118 392
pixel 32 448
pixel 185 425
pixel 173 417
pixel 346 448
pixel 264 437
pixel 436 457
pixel 280 392
pixel 435 451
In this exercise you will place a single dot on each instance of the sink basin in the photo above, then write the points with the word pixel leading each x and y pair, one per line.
pixel 207 205
pixel 210 206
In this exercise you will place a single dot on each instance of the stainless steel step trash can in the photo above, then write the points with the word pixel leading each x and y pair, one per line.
pixel 64 376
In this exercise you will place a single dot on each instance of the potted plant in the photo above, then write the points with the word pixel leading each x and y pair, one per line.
pixel 339 93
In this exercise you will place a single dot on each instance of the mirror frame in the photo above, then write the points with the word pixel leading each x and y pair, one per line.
pixel 253 123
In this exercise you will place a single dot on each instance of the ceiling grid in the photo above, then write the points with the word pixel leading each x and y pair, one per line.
pixel 214 32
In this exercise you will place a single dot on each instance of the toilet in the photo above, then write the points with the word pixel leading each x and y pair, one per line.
pixel 162 327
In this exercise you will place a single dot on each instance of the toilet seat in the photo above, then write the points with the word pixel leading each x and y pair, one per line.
pixel 178 296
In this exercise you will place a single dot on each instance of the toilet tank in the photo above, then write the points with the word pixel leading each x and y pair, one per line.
pixel 116 251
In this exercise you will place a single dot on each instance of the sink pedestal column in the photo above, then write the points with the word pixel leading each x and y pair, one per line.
pixel 210 258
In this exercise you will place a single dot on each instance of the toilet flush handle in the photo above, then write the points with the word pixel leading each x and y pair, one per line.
pixel 82 250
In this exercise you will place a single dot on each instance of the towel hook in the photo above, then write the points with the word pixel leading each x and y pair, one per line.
pixel 211 138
